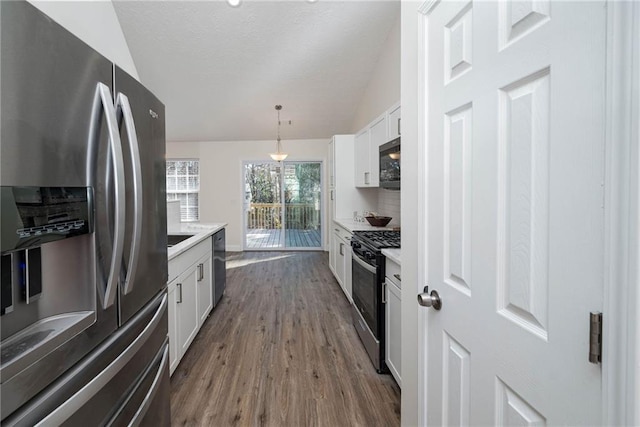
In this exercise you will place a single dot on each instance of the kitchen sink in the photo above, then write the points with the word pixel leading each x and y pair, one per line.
pixel 174 239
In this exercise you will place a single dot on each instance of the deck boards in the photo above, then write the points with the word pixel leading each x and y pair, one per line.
pixel 280 350
pixel 261 238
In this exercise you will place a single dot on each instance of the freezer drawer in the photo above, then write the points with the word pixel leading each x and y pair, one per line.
pixel 116 384
pixel 147 405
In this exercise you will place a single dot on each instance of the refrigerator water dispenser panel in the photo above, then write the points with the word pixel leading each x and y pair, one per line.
pixel 32 216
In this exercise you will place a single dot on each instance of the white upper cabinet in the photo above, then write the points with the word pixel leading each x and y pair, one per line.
pixel 367 146
pixel 362 165
pixel 344 198
pixel 393 122
pixel 332 163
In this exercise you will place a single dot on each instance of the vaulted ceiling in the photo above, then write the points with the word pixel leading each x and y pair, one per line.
pixel 220 70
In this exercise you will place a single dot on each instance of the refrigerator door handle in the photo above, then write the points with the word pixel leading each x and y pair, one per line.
pixel 75 402
pixel 103 99
pixel 146 403
pixel 123 110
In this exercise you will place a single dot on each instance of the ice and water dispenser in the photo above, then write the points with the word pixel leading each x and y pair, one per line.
pixel 31 217
pixel 43 301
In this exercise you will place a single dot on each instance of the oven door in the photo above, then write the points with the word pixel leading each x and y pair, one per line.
pixel 365 292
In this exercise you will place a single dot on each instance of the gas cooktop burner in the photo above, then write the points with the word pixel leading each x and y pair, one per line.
pixel 380 239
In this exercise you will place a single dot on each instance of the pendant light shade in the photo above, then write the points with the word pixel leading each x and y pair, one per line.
pixel 278 156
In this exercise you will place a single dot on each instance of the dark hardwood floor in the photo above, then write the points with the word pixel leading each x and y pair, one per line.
pixel 280 350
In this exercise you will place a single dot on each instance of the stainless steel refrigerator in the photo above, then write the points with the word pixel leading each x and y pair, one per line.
pixel 83 233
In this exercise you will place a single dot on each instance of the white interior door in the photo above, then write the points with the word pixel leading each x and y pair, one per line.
pixel 515 147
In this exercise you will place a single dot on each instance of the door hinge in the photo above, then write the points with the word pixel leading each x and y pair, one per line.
pixel 595 337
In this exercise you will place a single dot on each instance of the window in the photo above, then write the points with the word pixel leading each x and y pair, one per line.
pixel 183 183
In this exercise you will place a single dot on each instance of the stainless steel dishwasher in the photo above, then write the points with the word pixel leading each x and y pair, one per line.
pixel 219 266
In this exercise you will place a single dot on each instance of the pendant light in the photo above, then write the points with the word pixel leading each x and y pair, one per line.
pixel 278 156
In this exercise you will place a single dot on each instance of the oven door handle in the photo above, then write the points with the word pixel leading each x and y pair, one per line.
pixel 363 264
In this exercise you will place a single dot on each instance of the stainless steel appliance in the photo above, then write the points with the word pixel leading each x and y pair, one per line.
pixel 219 266
pixel 368 265
pixel 390 164
pixel 84 244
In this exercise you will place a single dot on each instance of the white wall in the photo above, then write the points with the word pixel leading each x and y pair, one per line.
pixel 221 191
pixel 383 89
pixel 94 22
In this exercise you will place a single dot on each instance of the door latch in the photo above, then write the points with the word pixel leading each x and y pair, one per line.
pixel 432 299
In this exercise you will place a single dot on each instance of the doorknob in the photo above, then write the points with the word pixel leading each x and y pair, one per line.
pixel 432 299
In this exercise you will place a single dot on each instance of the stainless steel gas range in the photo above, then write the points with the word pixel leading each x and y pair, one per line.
pixel 368 290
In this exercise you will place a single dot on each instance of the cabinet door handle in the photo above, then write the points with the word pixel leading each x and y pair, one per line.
pixel 384 292
pixel 366 177
pixel 179 285
pixel 331 194
pixel 342 249
pixel 397 276
pixel 398 125
pixel 336 230
pixel 200 272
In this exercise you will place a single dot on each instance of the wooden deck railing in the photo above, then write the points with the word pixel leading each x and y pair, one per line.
pixel 269 215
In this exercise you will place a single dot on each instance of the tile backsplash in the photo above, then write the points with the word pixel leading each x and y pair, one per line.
pixel 173 213
pixel 389 205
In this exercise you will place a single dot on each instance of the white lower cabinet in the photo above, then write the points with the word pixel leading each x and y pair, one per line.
pixel 190 298
pixel 332 253
pixel 183 317
pixel 174 359
pixel 338 250
pixel 341 256
pixel 393 325
pixel 186 309
pixel 204 288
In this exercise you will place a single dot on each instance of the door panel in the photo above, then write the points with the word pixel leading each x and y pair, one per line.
pixel 515 132
pixel 512 410
pixel 151 273
pixel 523 200
pixel 455 382
pixel 457 205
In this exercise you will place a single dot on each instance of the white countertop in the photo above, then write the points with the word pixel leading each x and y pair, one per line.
pixel 352 226
pixel 200 232
pixel 393 254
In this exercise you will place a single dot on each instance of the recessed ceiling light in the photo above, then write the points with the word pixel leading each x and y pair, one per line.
pixel 234 3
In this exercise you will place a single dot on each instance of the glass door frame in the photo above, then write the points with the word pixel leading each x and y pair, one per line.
pixel 282 243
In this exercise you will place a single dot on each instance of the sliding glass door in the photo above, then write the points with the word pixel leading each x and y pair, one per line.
pixel 302 192
pixel 263 205
pixel 282 208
